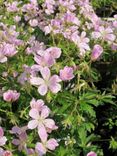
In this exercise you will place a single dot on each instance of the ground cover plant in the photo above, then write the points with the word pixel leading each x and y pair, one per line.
pixel 58 79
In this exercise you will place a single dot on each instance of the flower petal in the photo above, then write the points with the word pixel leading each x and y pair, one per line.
pixel 40 148
pixel 55 88
pixel 33 124
pixel 51 144
pixel 45 112
pixel 49 123
pixel 42 133
pixel 34 113
pixel 36 81
pixel 42 89
pixel 3 140
pixel 45 72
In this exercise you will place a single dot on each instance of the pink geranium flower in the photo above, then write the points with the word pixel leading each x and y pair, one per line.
pixel 21 139
pixel 97 51
pixel 46 82
pixel 82 42
pixel 7 153
pixel 3 139
pixel 11 95
pixel 66 73
pixel 37 104
pixel 91 154
pixel 104 33
pixel 47 57
pixel 42 147
pixel 40 120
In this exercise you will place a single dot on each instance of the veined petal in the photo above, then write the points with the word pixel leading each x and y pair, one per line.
pixel 40 148
pixel 33 124
pixel 42 133
pixel 42 89
pixel 55 88
pixel 34 113
pixel 45 72
pixel 49 123
pixel 36 81
pixel 45 112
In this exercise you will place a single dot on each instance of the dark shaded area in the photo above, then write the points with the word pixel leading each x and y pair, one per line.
pixel 108 71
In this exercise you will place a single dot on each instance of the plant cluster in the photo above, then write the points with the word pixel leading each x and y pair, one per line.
pixel 57 73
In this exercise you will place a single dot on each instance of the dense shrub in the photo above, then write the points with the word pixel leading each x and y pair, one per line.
pixel 58 79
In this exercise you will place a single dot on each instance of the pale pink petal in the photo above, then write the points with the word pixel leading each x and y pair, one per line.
pixel 55 88
pixel 49 59
pixel 91 154
pixel 32 124
pixel 34 113
pixel 36 81
pixel 45 72
pixel 42 89
pixel 49 123
pixel 3 59
pixel 45 112
pixel 51 144
pixel 3 140
pixel 54 79
pixel 40 148
pixel 54 51
pixel 42 133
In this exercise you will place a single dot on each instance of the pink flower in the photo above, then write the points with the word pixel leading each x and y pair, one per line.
pixel 47 57
pixel 54 52
pixel 44 60
pixel 12 7
pixel 7 153
pixel 91 154
pixel 68 4
pixel 104 33
pixel 49 5
pixel 47 82
pixel 21 139
pixel 42 148
pixel 11 95
pixel 81 41
pixel 17 19
pixel 66 73
pixel 37 104
pixel 41 121
pixel 3 139
pixel 9 49
pixel 33 23
pixel 70 17
pixel 97 51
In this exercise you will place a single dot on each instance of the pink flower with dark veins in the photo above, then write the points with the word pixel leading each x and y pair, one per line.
pixel 40 120
pixel 66 73
pixel 46 82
